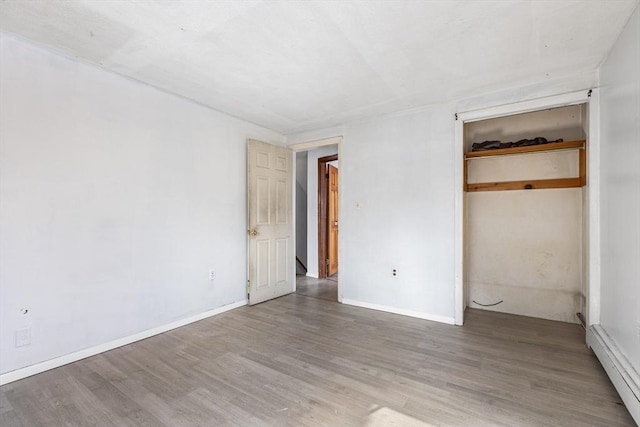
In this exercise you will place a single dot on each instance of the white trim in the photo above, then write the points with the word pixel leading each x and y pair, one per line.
pixel 340 211
pixel 593 210
pixel 625 379
pixel 572 98
pixel 294 220
pixel 410 313
pixel 28 371
pixel 458 220
pixel 304 146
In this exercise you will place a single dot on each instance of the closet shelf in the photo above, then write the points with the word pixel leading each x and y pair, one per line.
pixel 534 184
pixel 528 149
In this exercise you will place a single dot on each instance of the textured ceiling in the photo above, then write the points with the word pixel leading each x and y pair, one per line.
pixel 299 65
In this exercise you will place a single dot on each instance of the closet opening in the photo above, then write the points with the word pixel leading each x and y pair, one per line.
pixel 525 214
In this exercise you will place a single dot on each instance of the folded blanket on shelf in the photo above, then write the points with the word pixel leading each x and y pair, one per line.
pixel 493 145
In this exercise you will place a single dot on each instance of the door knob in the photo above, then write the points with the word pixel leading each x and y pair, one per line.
pixel 253 232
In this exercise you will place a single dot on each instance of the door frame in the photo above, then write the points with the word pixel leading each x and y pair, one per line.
pixel 590 97
pixel 323 204
pixel 310 145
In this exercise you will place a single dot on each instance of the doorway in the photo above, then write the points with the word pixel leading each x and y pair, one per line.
pixel 317 211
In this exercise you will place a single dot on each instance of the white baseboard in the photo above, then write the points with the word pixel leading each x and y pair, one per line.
pixel 410 313
pixel 21 373
pixel 624 377
pixel 314 275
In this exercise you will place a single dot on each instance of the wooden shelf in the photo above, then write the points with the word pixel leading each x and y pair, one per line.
pixel 532 184
pixel 528 149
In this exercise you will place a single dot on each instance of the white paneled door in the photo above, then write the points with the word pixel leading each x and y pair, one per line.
pixel 270 222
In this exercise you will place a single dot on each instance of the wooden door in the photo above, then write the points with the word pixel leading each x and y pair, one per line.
pixel 332 227
pixel 271 260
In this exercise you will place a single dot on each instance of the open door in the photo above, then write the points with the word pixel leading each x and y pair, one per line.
pixel 324 230
pixel 270 226
pixel 332 244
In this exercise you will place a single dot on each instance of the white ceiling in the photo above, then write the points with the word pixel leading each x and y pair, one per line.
pixel 300 65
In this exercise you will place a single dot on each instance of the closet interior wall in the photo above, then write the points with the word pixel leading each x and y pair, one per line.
pixel 526 248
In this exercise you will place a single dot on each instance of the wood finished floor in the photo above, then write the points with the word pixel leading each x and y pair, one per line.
pixel 306 361
pixel 318 288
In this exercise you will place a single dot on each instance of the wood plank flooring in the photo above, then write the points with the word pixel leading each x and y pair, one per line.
pixel 318 288
pixel 305 361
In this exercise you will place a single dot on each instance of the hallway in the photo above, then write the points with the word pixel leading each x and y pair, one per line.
pixel 326 289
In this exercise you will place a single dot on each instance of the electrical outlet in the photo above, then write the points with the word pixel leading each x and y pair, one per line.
pixel 23 337
pixel 212 275
pixel 394 272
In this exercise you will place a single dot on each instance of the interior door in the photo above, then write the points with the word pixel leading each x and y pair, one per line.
pixel 270 226
pixel 332 244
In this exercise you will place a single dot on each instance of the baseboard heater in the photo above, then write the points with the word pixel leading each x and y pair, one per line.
pixel 624 377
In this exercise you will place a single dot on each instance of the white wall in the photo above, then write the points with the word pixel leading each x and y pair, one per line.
pixel 301 210
pixel 312 205
pixel 620 197
pixel 397 212
pixel 524 248
pixel 116 200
